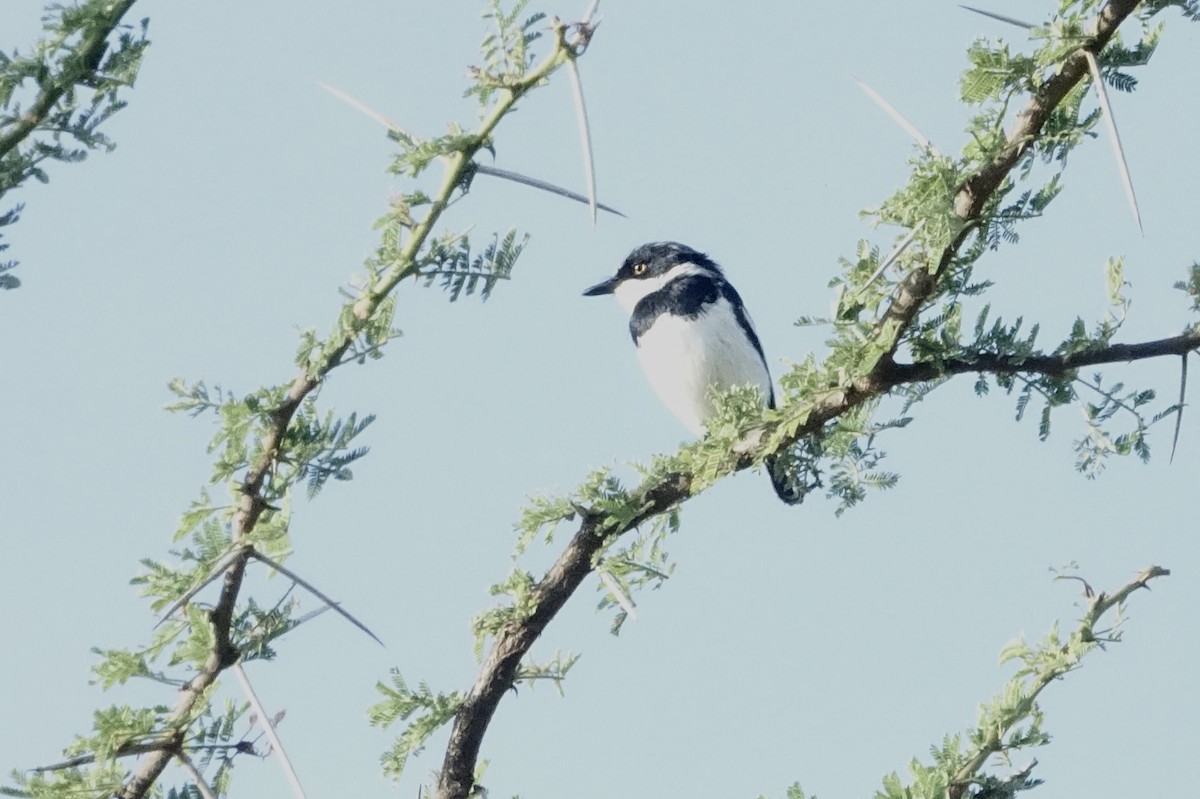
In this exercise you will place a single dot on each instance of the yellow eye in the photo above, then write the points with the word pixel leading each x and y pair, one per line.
pixel 640 269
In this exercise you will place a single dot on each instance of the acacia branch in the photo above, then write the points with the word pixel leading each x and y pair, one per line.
pixel 977 190
pixel 1050 365
pixel 1085 633
pixel 252 501
pixel 499 669
pixel 76 70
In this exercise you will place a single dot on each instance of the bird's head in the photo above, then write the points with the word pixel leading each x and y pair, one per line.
pixel 650 267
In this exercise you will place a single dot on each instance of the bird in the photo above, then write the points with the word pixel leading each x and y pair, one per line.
pixel 693 334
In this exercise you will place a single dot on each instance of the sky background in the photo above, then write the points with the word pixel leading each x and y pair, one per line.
pixel 790 644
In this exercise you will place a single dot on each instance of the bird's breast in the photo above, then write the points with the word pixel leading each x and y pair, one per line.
pixel 686 357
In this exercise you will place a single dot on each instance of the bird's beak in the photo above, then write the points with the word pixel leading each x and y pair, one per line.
pixel 606 287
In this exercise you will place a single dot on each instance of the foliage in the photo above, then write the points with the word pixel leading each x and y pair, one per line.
pixel 451 262
pixel 431 712
pixel 1191 286
pixel 277 436
pixel 1013 720
pixel 995 80
pixel 938 258
pixel 506 50
pixel 55 98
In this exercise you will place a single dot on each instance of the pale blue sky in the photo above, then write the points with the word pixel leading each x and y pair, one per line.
pixel 789 645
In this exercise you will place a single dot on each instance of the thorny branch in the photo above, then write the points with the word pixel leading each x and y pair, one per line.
pixel 1051 365
pixel 1098 605
pixel 251 500
pixel 499 669
pixel 87 58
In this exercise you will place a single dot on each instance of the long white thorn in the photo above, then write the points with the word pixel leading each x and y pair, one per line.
pixel 223 563
pixel 894 254
pixel 585 136
pixel 363 108
pixel 269 729
pixel 196 776
pixel 482 169
pixel 1111 123
pixel 1182 400
pixel 517 177
pixel 908 127
pixel 336 607
pixel 615 589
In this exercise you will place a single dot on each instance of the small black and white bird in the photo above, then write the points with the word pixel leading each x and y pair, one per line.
pixel 692 333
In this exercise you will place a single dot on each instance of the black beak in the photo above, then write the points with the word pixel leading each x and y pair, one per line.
pixel 605 287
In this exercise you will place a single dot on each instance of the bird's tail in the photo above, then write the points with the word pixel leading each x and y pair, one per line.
pixel 786 486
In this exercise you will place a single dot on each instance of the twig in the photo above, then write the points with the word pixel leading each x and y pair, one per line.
pixel 1114 136
pixel 332 604
pixel 1099 605
pixel 124 750
pixel 145 747
pixel 1052 365
pixel 1088 591
pixel 269 729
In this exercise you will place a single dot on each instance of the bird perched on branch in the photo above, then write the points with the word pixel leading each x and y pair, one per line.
pixel 692 334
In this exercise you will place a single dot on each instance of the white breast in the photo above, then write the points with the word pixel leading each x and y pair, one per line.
pixel 685 358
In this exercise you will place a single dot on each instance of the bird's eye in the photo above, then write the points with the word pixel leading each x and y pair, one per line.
pixel 640 269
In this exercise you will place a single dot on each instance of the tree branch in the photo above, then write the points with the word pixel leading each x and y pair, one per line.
pixel 1052 365
pixel 76 70
pixel 1085 634
pixel 654 496
pixel 499 669
pixel 973 195
pixel 252 501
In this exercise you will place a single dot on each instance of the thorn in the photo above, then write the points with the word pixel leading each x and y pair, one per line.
pixel 217 570
pixel 586 514
pixel 194 773
pixel 517 177
pixel 1115 137
pixel 1025 772
pixel 624 601
pixel 585 136
pixel 362 107
pixel 334 606
pixel 1179 413
pixel 482 169
pixel 276 744
pixel 897 117
pixel 1001 17
pixel 1088 591
pixel 894 254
